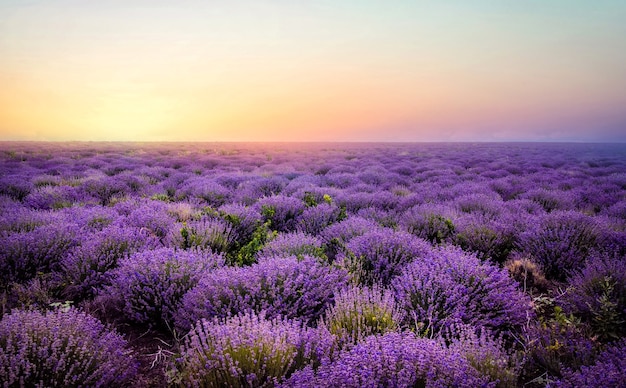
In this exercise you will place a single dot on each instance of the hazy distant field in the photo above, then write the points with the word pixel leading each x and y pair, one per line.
pixel 245 264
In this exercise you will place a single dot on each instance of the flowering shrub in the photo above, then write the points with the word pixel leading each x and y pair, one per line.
pixel 280 286
pixel 150 284
pixel 550 200
pixel 598 296
pixel 560 243
pixel 361 312
pixel 247 350
pixel 347 229
pixel 484 353
pixel 23 255
pixel 15 187
pixel 19 219
pixel 153 217
pixel 62 349
pixel 87 267
pixel 244 220
pixel 207 233
pixel 282 211
pixel 205 189
pixel 293 244
pixel 482 205
pixel 488 239
pixel 316 218
pixel 434 223
pixel 607 371
pixel 450 285
pixel 104 189
pixel 379 255
pixel 92 219
pixel 555 344
pixel 392 360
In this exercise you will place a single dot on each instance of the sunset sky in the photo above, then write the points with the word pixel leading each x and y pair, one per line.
pixel 333 70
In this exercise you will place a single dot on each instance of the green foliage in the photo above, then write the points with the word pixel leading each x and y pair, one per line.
pixel 360 312
pixel 268 211
pixel 606 321
pixel 99 223
pixel 439 228
pixel 309 199
pixel 161 197
pixel 246 254
pixel 343 213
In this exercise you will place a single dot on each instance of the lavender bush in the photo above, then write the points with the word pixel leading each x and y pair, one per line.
pixel 293 244
pixel 207 233
pixel 281 286
pixel 560 243
pixel 360 312
pixel 283 212
pixel 393 360
pixel 597 295
pixel 247 350
pixel 379 255
pixel 87 268
pixel 150 284
pixel 452 286
pixel 607 371
pixel 434 223
pixel 62 349
pixel 41 250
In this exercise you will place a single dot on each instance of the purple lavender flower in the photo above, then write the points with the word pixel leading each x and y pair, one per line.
pixel 249 191
pixel 282 211
pixel 53 197
pixel 15 186
pixel 487 206
pixel 347 229
pixel 244 220
pixel 484 352
pixel 560 242
pixel 392 360
pixel 293 244
pixel 316 218
pixel 607 371
pixel 280 286
pixel 489 239
pixel 450 285
pixel 104 189
pixel 153 217
pixel 87 267
pixel 597 295
pixel 247 350
pixel 41 250
pixel 379 255
pixel 205 189
pixel 62 349
pixel 207 233
pixel 434 223
pixel 150 284
pixel 361 312
pixel 554 345
pixel 551 200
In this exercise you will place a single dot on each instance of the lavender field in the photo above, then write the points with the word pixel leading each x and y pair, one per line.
pixel 312 265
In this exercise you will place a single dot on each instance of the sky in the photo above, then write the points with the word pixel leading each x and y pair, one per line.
pixel 293 70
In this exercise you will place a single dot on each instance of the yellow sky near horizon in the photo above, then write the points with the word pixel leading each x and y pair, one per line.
pixel 320 71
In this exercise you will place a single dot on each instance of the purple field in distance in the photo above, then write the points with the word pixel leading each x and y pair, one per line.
pixel 306 264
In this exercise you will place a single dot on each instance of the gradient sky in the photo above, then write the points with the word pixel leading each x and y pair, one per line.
pixel 313 70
